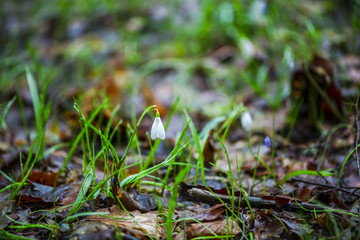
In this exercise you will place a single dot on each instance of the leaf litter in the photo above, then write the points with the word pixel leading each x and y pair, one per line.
pixel 281 188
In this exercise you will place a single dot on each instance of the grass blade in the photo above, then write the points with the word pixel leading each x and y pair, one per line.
pixel 34 96
pixel 4 111
pixel 174 153
pixel 325 173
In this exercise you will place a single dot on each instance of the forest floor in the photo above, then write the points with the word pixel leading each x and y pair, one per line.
pixel 259 100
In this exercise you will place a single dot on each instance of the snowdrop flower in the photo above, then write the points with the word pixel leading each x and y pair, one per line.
pixel 246 121
pixel 157 129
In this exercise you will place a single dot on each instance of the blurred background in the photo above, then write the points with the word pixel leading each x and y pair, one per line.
pixel 212 54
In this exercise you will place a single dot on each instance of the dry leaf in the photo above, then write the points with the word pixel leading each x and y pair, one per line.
pixel 133 221
pixel 220 227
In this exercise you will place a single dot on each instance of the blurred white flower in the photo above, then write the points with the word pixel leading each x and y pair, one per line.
pixel 247 48
pixel 157 129
pixel 246 121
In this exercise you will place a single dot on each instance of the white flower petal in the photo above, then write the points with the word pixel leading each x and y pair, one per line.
pixel 161 130
pixel 154 130
pixel 246 121
pixel 157 129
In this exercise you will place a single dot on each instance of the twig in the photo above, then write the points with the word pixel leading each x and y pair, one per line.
pixel 343 189
pixel 255 202
pixel 357 134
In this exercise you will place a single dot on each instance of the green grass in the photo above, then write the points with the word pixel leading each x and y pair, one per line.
pixel 42 110
pixel 3 111
pixel 231 192
pixel 184 44
pixel 90 189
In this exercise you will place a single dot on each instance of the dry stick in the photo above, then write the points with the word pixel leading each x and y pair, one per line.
pixel 255 202
pixel 343 189
pixel 357 134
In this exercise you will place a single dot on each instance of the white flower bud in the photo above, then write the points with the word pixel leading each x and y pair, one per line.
pixel 246 121
pixel 157 129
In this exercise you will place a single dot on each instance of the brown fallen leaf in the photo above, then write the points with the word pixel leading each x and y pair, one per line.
pixel 213 213
pixel 322 72
pixel 41 195
pixel 209 151
pixel 196 212
pixel 71 195
pixel 269 227
pixel 140 224
pixel 45 178
pixel 124 199
pixel 221 228
pixel 306 194
pixel 324 221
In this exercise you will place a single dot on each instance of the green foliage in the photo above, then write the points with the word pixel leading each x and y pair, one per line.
pixel 3 112
pixel 325 173
pixel 266 41
pixel 42 110
pixel 171 157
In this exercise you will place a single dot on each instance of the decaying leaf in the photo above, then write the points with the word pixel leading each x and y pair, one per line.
pixel 209 151
pixel 212 213
pixel 124 199
pixel 216 228
pixel 44 178
pixel 141 224
pixel 321 72
pixel 196 212
pixel 41 195
pixel 71 195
